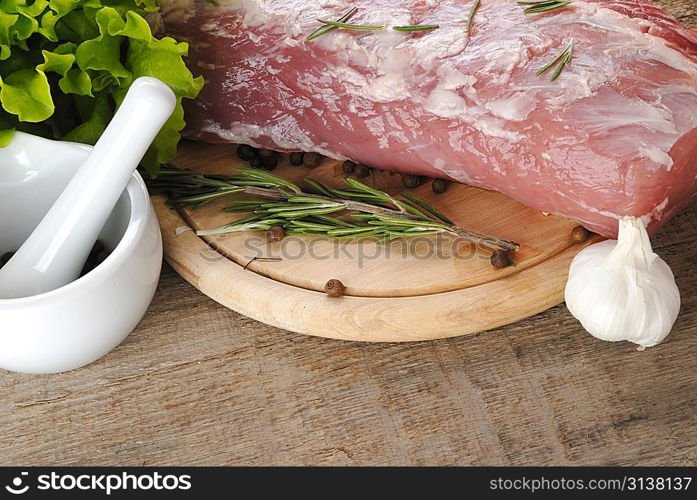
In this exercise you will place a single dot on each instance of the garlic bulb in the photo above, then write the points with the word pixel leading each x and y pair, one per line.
pixel 621 290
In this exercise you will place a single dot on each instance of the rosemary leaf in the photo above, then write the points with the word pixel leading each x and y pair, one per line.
pixel 306 199
pixel 397 221
pixel 333 221
pixel 353 195
pixel 236 206
pixel 470 17
pixel 538 7
pixel 248 219
pixel 320 188
pixel 428 207
pixel 208 197
pixel 322 30
pixel 304 207
pixel 416 27
pixel 247 201
pixel 409 207
pixel 367 234
pixel 252 223
pixel 349 26
pixel 406 234
pixel 240 181
pixel 379 196
pixel 299 214
pixel 346 231
pixel 262 175
pixel 311 225
pixel 360 187
pixel 239 210
pixel 560 61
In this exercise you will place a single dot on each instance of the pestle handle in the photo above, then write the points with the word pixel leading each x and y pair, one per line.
pixel 57 249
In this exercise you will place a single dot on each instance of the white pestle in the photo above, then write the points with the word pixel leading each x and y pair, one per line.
pixel 56 251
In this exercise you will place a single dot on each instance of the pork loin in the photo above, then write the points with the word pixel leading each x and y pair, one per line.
pixel 614 135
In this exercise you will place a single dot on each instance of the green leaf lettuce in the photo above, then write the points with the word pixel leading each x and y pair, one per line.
pixel 65 66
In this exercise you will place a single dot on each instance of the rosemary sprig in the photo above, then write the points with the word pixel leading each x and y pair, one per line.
pixel 416 27
pixel 560 61
pixel 470 17
pixel 350 26
pixel 538 7
pixel 276 201
pixel 327 28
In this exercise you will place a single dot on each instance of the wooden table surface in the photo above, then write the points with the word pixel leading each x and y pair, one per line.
pixel 197 384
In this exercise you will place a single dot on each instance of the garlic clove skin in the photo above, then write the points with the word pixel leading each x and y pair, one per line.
pixel 622 290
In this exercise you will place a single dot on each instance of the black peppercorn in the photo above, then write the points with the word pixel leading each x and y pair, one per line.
pixel 269 162
pixel 439 186
pixel 312 160
pixel 411 181
pixel 296 158
pixel 246 152
pixel 579 234
pixel 276 233
pixel 500 259
pixel 348 167
pixel 255 162
pixel 334 288
pixel 361 171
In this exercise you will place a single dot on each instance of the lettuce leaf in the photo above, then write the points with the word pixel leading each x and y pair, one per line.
pixel 65 66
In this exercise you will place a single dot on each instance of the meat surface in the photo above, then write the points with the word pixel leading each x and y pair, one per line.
pixel 614 135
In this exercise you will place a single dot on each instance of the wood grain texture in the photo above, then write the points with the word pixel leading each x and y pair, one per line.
pixel 199 384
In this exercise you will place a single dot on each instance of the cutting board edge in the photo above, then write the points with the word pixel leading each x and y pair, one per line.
pixel 399 319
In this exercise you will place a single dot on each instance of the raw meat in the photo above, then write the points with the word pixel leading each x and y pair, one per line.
pixel 614 135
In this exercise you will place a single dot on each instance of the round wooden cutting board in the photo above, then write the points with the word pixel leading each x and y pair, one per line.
pixel 421 289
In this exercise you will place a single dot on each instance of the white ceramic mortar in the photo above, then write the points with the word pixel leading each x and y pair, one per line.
pixel 78 323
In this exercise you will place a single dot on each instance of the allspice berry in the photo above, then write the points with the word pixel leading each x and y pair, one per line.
pixel 269 162
pixel 276 233
pixel 500 259
pixel 334 288
pixel 348 167
pixel 361 171
pixel 246 152
pixel 411 181
pixel 579 234
pixel 296 158
pixel 312 160
pixel 269 159
pixel 439 186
